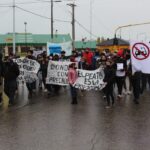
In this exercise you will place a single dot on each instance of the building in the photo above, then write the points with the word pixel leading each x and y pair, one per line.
pixel 82 45
pixel 28 41
pixel 113 45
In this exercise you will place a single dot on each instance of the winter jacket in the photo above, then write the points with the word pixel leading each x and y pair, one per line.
pixel 10 71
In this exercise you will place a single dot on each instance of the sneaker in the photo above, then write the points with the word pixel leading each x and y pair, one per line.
pixel 34 91
pixel 104 97
pixel 119 97
pixel 45 90
pixel 74 103
pixel 125 92
pixel 107 107
pixel 129 92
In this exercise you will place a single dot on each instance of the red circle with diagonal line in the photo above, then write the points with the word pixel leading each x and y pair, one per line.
pixel 138 53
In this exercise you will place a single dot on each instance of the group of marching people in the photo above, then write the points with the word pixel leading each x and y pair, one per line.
pixel 117 69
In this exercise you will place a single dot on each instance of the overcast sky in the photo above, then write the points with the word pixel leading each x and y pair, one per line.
pixel 107 15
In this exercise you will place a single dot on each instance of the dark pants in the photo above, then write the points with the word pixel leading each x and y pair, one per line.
pixel 120 82
pixel 109 93
pixel 56 88
pixel 1 97
pixel 49 87
pixel 145 80
pixel 73 91
pixel 31 86
pixel 44 81
pixel 10 89
pixel 136 87
pixel 149 80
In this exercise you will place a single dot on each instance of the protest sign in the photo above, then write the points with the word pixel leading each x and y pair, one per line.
pixel 37 52
pixel 28 69
pixel 90 80
pixel 67 47
pixel 140 56
pixel 57 73
pixel 87 80
pixel 53 48
pixel 56 48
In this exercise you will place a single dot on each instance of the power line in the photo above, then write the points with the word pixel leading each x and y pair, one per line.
pixel 45 17
pixel 82 26
pixel 30 2
pixel 58 20
pixel 4 6
pixel 104 26
pixel 85 28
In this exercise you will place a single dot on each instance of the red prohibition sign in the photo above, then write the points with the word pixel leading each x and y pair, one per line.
pixel 136 51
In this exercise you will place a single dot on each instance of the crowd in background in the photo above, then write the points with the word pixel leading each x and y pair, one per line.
pixel 117 69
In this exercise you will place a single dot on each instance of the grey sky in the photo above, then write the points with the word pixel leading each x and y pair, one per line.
pixel 107 16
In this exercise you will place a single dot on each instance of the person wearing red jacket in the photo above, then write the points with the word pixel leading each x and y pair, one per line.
pixel 88 56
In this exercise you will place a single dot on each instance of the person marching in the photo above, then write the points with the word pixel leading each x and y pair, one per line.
pixel 30 86
pixel 72 77
pixel 121 67
pixel 1 80
pixel 10 74
pixel 109 79
pixel 136 83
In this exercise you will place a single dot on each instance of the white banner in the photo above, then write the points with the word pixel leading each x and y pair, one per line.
pixel 37 52
pixel 90 80
pixel 67 47
pixel 56 48
pixel 140 56
pixel 57 73
pixel 28 69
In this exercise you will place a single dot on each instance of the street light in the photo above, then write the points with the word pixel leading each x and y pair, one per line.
pixel 25 23
pixel 14 34
pixel 91 20
pixel 52 17
pixel 130 25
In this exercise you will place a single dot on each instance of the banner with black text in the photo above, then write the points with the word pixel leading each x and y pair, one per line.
pixel 90 80
pixel 57 73
pixel 28 69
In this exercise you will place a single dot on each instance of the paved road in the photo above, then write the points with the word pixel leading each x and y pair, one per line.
pixel 54 124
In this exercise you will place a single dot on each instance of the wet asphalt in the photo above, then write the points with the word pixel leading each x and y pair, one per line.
pixel 52 123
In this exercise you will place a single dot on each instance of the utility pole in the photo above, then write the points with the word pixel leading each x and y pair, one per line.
pixel 14 34
pixel 25 23
pixel 91 20
pixel 73 24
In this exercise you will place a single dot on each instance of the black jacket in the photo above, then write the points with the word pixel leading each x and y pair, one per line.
pixel 109 75
pixel 123 61
pixel 10 71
